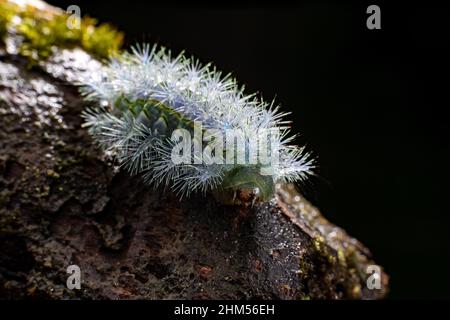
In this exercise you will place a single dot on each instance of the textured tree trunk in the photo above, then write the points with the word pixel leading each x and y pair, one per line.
pixel 63 203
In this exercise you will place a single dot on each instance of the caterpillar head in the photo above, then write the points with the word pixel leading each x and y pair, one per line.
pixel 245 185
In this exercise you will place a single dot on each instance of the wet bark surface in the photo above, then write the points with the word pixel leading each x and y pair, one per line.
pixel 62 203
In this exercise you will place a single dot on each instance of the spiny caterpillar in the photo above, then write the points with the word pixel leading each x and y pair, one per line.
pixel 143 99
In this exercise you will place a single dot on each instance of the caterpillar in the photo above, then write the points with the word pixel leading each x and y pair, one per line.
pixel 150 109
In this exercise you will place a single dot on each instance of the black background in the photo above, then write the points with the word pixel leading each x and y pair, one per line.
pixel 371 104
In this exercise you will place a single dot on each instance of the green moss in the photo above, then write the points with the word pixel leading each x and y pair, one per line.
pixel 44 31
pixel 101 41
pixel 323 250
pixel 5 17
pixel 3 26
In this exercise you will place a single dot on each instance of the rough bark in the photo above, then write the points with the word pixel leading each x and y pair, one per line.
pixel 63 203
